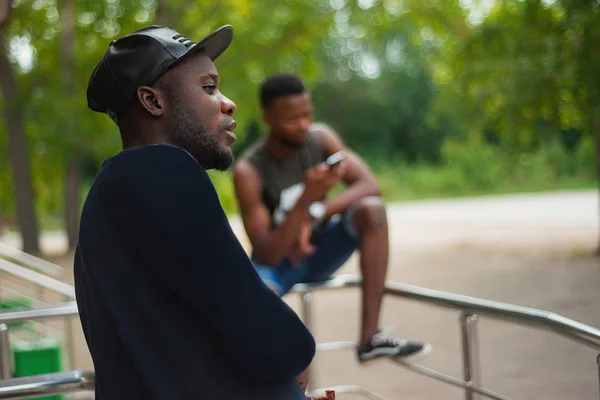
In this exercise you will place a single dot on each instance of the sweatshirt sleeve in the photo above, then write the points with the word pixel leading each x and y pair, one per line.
pixel 193 249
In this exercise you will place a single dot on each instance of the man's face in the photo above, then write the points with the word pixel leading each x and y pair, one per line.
pixel 198 116
pixel 290 118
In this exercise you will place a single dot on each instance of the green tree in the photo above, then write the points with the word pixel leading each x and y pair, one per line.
pixel 18 144
pixel 66 38
pixel 529 66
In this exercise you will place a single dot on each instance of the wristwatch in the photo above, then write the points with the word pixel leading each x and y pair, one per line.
pixel 317 211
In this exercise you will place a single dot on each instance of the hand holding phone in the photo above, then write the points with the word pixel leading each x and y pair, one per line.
pixel 322 177
pixel 335 158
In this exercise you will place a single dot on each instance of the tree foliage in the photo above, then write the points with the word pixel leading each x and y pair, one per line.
pixel 52 78
pixel 402 80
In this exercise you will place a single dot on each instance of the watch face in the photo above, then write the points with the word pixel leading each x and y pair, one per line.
pixel 317 210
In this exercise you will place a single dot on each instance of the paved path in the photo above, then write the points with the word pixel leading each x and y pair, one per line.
pixel 515 221
pixel 530 250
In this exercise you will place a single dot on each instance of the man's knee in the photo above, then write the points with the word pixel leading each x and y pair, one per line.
pixel 369 213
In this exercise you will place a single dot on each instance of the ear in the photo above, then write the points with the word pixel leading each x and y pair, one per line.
pixel 151 100
pixel 266 117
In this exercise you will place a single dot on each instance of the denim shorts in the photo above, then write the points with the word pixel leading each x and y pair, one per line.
pixel 335 242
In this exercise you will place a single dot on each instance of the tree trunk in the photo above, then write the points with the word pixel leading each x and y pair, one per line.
pixel 72 187
pixel 19 152
pixel 596 126
pixel 73 168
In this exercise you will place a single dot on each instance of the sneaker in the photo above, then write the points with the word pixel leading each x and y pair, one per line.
pixel 383 345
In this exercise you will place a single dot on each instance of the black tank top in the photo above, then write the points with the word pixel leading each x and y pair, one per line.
pixel 283 180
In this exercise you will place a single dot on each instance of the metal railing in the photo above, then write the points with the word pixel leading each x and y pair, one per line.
pixel 471 308
pixel 37 278
pixel 45 385
pixel 41 283
pixel 65 310
pixel 30 261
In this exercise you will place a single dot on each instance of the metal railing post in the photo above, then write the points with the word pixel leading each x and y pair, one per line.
pixel 307 318
pixel 598 363
pixel 5 354
pixel 69 338
pixel 307 309
pixel 468 333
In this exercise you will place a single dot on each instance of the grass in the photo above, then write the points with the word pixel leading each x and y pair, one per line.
pixel 422 185
pixel 479 169
pixel 405 183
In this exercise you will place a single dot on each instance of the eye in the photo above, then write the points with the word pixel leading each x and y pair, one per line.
pixel 210 89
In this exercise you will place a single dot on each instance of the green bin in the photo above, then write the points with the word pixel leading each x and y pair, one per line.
pixel 37 357
pixel 14 303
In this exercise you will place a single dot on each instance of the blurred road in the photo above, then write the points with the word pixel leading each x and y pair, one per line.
pixel 523 221
pixel 530 250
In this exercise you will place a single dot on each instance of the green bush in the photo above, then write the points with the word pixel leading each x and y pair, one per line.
pixel 224 185
pixel 471 168
pixel 585 158
pixel 482 166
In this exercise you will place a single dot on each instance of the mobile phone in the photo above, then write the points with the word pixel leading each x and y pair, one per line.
pixel 335 158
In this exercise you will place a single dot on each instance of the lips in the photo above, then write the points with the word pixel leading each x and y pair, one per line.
pixel 231 136
pixel 229 132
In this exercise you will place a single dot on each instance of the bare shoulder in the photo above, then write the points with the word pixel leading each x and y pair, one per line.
pixel 245 173
pixel 247 186
pixel 322 130
pixel 329 140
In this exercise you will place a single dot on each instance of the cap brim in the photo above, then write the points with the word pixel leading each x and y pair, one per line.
pixel 216 43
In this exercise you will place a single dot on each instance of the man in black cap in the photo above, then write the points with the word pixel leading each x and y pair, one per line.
pixel 170 304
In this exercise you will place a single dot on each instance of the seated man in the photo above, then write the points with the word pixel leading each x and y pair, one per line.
pixel 281 185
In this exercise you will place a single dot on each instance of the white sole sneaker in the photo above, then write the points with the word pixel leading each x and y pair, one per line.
pixel 427 348
pixel 383 354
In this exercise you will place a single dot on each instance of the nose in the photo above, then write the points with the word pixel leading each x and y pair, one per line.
pixel 227 106
pixel 304 124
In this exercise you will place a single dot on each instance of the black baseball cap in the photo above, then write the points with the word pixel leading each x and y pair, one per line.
pixel 140 59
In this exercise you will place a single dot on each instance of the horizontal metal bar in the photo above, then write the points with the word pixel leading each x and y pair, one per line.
pixel 521 315
pixel 449 379
pixel 332 346
pixel 55 311
pixel 339 282
pixel 37 278
pixel 347 345
pixel 58 383
pixel 30 261
pixel 349 389
pixel 489 393
pixel 567 327
pixel 559 324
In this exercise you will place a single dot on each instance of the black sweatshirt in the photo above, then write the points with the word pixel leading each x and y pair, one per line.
pixel 170 304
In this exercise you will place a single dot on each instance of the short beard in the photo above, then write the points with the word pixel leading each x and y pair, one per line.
pixel 189 132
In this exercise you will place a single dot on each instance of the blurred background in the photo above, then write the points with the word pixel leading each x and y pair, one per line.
pixel 446 100
pixel 442 98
